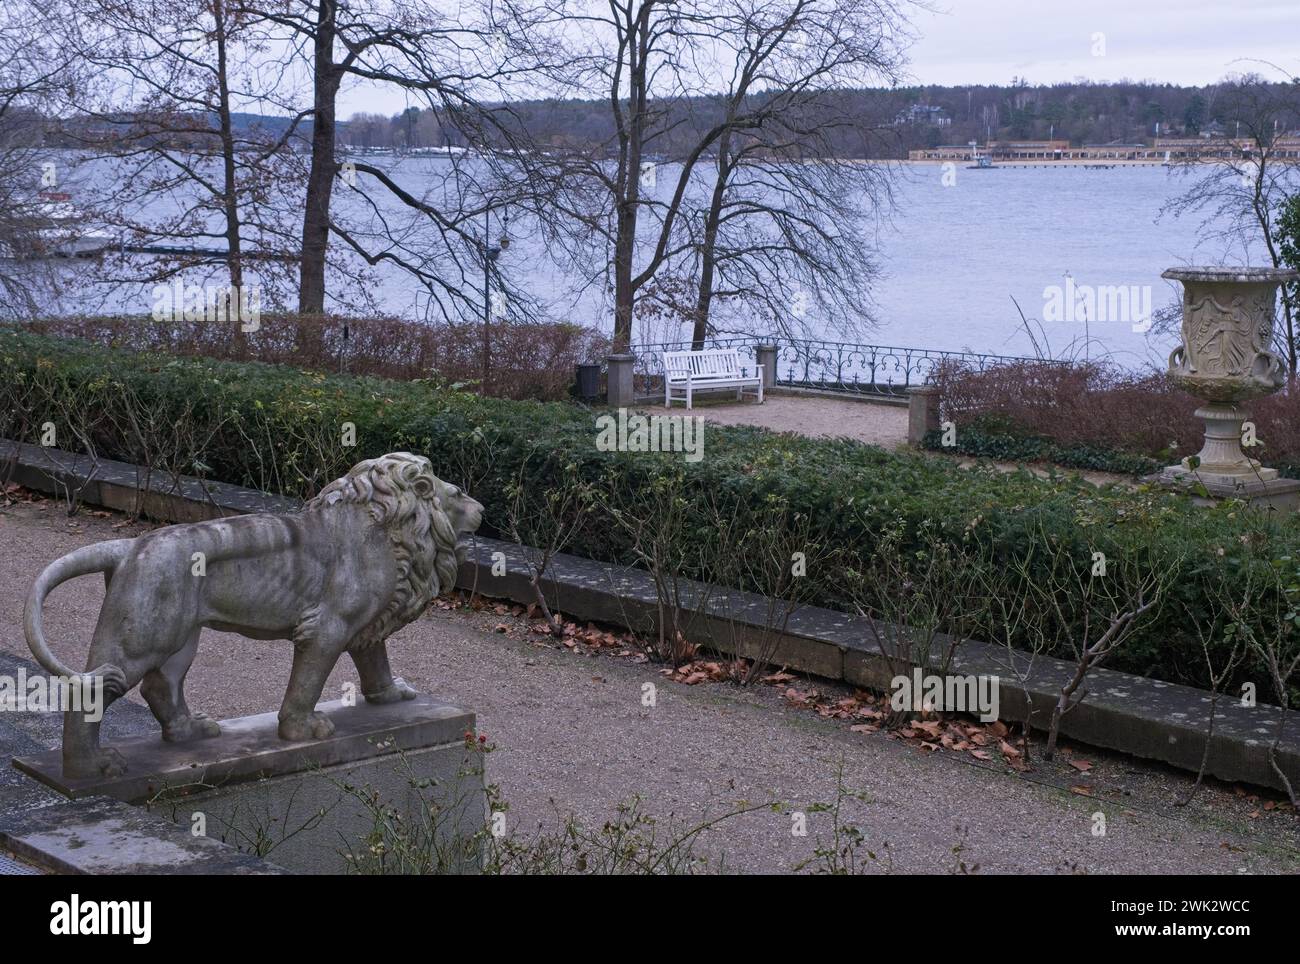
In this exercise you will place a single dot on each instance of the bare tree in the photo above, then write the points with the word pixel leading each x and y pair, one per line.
pixel 34 75
pixel 787 225
pixel 462 66
pixel 190 187
pixel 1239 189
pixel 692 85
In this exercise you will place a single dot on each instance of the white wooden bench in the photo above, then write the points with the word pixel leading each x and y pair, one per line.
pixel 687 372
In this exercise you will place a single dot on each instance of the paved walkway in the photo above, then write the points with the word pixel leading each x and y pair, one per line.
pixel 574 737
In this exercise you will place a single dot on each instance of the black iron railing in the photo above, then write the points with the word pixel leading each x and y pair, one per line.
pixel 826 365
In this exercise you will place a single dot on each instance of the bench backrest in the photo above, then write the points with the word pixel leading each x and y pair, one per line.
pixel 711 362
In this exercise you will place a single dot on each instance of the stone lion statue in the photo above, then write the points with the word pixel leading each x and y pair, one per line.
pixel 362 559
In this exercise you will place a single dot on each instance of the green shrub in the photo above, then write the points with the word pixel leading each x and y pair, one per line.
pixel 991 440
pixel 279 428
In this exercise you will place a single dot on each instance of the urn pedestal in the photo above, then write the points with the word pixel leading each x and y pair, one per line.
pixel 1226 358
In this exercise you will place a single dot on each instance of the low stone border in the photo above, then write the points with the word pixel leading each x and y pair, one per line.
pixel 103 836
pixel 48 833
pixel 1132 714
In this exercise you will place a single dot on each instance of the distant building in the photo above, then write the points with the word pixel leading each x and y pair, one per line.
pixel 924 115
pixel 998 150
pixel 1203 146
pixel 1286 147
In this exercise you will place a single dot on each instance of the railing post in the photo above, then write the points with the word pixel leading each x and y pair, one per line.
pixel 619 390
pixel 922 412
pixel 765 355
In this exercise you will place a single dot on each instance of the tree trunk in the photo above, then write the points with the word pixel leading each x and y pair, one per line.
pixel 630 200
pixel 623 293
pixel 320 179
pixel 230 187
pixel 708 258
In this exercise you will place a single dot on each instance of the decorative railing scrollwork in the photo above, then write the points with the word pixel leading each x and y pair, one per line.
pixel 833 366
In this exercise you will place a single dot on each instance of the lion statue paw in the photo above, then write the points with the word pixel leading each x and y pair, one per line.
pixel 106 762
pixel 311 726
pixel 196 726
pixel 396 691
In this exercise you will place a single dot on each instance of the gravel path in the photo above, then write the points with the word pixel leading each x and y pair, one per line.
pixel 571 729
pixel 820 417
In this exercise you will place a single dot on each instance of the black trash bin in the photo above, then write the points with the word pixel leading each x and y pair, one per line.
pixel 588 382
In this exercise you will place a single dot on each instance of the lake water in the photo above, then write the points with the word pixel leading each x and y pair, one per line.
pixel 955 253
pixel 958 254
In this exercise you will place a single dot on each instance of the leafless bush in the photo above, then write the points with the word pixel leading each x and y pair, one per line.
pixel 1095 604
pixel 772 556
pixel 1265 614
pixel 1099 404
pixel 543 523
pixel 527 360
pixel 919 601
pixel 657 519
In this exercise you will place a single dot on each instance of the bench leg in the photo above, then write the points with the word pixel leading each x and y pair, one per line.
pixel 760 393
pixel 689 394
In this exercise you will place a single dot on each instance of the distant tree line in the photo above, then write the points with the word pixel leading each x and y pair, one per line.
pixel 1080 112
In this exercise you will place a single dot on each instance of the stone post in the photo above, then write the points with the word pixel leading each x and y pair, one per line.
pixel 922 412
pixel 619 391
pixel 765 355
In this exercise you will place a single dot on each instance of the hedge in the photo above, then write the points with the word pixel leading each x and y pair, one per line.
pixel 279 428
pixel 1011 447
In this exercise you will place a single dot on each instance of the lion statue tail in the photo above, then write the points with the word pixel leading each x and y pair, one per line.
pixel 102 557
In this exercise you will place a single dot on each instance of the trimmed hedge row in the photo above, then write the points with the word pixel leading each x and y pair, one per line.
pixel 279 428
pixel 1006 447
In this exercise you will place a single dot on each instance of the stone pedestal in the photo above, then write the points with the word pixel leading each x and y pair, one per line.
pixel 765 355
pixel 302 805
pixel 620 391
pixel 1280 494
pixel 1221 459
pixel 922 412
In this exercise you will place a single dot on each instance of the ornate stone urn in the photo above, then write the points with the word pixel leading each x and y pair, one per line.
pixel 1226 358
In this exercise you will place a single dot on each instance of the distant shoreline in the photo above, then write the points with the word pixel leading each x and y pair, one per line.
pixel 1153 162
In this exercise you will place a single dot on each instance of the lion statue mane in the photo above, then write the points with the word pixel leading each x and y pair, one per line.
pixel 361 560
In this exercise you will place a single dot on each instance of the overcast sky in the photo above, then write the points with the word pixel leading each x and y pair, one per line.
pixel 1175 41
pixel 1044 41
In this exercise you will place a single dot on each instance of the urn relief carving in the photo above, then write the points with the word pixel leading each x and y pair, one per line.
pixel 1226 357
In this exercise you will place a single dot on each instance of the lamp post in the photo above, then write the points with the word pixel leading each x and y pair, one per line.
pixel 490 254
